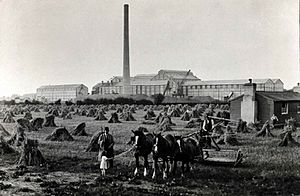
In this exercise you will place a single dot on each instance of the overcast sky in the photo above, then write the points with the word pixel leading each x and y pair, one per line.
pixel 80 41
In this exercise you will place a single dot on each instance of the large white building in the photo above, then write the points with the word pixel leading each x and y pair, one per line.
pixel 66 92
pixel 147 84
pixel 169 81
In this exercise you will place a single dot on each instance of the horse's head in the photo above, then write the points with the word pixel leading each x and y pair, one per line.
pixel 179 141
pixel 138 135
pixel 157 140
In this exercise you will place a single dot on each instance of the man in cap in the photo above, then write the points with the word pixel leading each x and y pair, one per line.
pixel 106 142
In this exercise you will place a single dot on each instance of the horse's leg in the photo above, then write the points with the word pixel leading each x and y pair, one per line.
pixel 136 164
pixel 175 166
pixel 182 168
pixel 170 165
pixel 154 167
pixel 190 164
pixel 145 165
pixel 165 161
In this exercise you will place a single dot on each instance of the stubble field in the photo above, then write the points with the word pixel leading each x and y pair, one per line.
pixel 266 170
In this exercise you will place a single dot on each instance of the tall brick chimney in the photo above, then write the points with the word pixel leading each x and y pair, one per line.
pixel 126 70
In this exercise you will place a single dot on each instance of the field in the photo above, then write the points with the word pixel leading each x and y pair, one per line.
pixel 266 170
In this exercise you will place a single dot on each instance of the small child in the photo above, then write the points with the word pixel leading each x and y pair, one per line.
pixel 104 164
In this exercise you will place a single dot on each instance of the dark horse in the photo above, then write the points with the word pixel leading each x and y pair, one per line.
pixel 143 147
pixel 166 148
pixel 189 149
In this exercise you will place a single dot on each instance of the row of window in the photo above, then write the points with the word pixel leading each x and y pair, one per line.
pixel 136 89
pixel 259 86
pixel 216 86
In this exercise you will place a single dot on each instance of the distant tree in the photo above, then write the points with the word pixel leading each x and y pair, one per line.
pixel 36 102
pixel 158 99
pixel 11 102
pixel 58 102
pixel 68 103
pixel 79 102
pixel 27 102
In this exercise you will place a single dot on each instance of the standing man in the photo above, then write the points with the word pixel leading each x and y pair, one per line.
pixel 206 130
pixel 106 143
pixel 208 123
pixel 274 120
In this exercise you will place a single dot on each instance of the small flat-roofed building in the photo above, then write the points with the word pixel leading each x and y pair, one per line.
pixel 66 92
pixel 284 105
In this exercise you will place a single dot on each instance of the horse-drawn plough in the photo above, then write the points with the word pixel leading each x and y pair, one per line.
pixel 187 149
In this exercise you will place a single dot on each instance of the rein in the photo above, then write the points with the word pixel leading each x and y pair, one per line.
pixel 194 133
pixel 123 153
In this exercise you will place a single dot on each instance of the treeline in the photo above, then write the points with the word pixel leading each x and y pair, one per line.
pixel 119 100
pixel 26 102
pixel 155 99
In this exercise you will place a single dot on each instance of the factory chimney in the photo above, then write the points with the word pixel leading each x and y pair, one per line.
pixel 126 70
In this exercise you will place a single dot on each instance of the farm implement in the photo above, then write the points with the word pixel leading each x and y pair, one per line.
pixel 218 156
pixel 214 154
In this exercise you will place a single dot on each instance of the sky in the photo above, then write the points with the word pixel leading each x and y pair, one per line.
pixel 81 41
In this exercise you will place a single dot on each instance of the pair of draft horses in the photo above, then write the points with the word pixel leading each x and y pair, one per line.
pixel 170 149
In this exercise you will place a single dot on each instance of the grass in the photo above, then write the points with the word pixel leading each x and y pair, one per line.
pixel 266 170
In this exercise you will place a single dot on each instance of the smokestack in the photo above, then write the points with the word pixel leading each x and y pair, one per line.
pixel 126 70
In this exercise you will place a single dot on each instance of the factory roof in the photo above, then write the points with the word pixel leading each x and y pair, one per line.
pixel 277 80
pixel 145 82
pixel 144 75
pixel 238 81
pixel 178 74
pixel 60 86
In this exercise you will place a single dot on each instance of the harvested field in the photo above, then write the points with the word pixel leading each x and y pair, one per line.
pixel 267 169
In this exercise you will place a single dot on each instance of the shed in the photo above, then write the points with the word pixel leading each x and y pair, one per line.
pixel 284 105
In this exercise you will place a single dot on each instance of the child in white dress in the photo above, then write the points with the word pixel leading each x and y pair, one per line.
pixel 104 164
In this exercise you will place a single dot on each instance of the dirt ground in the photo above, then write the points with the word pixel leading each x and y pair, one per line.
pixel 266 170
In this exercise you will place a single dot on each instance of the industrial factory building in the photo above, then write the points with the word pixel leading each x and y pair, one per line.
pixel 67 92
pixel 147 84
pixel 168 82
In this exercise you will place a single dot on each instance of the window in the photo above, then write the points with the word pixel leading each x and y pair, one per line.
pixel 196 87
pixel 298 108
pixel 284 108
